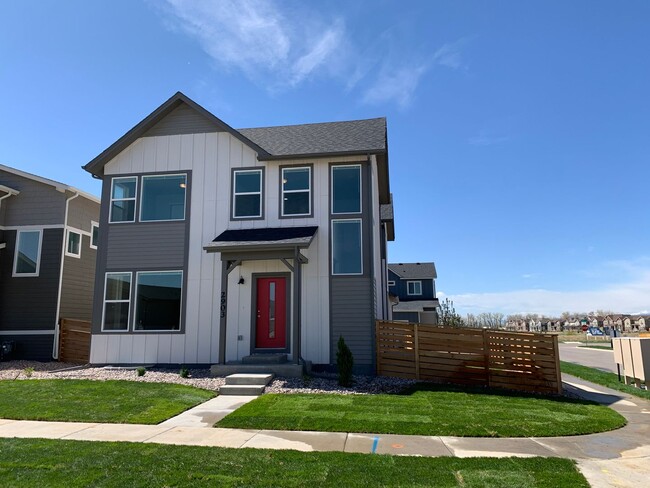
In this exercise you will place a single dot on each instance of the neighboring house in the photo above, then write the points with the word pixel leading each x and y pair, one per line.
pixel 414 284
pixel 222 243
pixel 48 242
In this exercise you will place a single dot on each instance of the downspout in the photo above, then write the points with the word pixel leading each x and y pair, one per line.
pixel 55 343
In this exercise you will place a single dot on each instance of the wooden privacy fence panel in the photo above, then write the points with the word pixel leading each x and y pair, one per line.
pixel 74 341
pixel 514 360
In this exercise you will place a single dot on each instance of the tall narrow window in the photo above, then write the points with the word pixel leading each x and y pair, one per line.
pixel 158 300
pixel 117 298
pixel 73 244
pixel 296 192
pixel 247 194
pixel 347 255
pixel 94 235
pixel 163 197
pixel 346 189
pixel 28 253
pixel 123 196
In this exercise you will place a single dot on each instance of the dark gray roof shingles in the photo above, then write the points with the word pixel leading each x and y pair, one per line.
pixel 367 135
pixel 414 270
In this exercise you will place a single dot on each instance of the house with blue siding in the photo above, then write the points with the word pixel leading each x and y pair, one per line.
pixel 413 286
pixel 48 245
pixel 223 245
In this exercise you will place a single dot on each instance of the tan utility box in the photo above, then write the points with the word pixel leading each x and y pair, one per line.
pixel 632 354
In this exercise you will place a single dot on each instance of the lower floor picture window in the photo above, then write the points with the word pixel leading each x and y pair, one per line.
pixel 158 300
pixel 346 247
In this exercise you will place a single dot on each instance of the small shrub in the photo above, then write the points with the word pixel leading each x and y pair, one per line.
pixel 344 363
pixel 28 372
pixel 185 373
pixel 141 371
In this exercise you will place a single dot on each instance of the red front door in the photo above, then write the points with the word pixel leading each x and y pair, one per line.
pixel 271 325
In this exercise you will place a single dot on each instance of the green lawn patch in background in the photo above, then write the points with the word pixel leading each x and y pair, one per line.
pixel 427 410
pixel 128 402
pixel 605 378
pixel 71 464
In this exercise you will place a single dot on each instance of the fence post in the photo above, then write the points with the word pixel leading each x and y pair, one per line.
pixel 486 356
pixel 417 352
pixel 558 371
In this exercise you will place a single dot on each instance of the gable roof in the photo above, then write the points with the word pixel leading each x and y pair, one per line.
pixel 331 138
pixel 355 137
pixel 414 270
pixel 62 187
pixel 96 166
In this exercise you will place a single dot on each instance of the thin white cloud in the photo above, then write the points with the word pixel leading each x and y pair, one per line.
pixel 483 139
pixel 398 85
pixel 629 296
pixel 280 47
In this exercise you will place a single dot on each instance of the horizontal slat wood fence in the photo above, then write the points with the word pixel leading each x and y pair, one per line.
pixel 74 341
pixel 522 361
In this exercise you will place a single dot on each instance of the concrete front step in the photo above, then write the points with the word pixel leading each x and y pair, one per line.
pixel 288 370
pixel 249 379
pixel 264 358
pixel 243 390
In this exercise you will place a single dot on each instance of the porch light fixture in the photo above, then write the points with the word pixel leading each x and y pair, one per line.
pixel 241 280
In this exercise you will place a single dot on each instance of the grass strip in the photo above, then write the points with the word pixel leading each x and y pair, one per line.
pixel 71 464
pixel 605 378
pixel 96 401
pixel 428 410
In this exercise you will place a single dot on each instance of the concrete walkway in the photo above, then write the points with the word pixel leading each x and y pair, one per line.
pixel 619 458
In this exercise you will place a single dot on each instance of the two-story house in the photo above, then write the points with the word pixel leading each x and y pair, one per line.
pixel 414 285
pixel 222 243
pixel 48 241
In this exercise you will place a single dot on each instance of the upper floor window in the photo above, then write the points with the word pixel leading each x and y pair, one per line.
pixel 414 288
pixel 346 189
pixel 73 244
pixel 28 253
pixel 247 194
pixel 296 192
pixel 94 235
pixel 123 197
pixel 163 197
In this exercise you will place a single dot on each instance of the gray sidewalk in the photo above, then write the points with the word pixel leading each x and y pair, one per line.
pixel 619 458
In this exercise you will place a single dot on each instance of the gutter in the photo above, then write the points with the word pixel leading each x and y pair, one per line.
pixel 55 343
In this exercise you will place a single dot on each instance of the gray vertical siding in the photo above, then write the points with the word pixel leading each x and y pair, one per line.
pixel 37 203
pixel 29 303
pixel 78 283
pixel 352 298
pixel 81 212
pixel 182 120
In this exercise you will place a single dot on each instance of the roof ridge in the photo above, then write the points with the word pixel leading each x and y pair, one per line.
pixel 311 123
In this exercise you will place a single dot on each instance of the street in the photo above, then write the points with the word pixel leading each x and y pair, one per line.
pixel 586 356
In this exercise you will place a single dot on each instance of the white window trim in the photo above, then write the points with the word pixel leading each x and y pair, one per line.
pixel 408 292
pixel 93 224
pixel 67 243
pixel 235 194
pixel 391 282
pixel 105 301
pixel 134 198
pixel 135 303
pixel 142 178
pixel 339 166
pixel 38 257
pixel 308 191
pixel 360 242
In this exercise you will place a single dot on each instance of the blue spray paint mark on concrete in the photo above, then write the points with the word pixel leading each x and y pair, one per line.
pixel 374 444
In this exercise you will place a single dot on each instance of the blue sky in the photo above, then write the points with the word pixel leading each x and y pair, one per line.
pixel 518 131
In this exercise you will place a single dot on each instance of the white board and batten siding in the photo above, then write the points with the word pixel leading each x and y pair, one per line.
pixel 211 157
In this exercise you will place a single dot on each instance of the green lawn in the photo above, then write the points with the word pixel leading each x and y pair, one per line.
pixel 607 347
pixel 610 380
pixel 427 410
pixel 96 401
pixel 70 464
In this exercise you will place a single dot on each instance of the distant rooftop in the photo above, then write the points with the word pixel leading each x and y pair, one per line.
pixel 414 270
